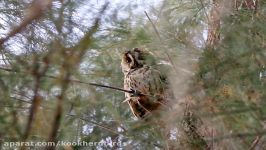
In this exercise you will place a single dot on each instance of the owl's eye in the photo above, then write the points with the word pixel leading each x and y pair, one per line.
pixel 128 59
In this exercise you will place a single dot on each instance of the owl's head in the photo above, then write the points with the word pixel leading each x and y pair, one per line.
pixel 135 58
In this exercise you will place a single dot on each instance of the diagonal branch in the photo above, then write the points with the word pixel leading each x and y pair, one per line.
pixel 133 92
pixel 36 100
pixel 160 39
pixel 35 11
pixel 76 55
pixel 95 123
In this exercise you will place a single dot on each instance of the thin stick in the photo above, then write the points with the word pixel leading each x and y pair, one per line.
pixel 258 138
pixel 95 123
pixel 87 83
pixel 160 39
pixel 133 92
pixel 153 26
pixel 255 143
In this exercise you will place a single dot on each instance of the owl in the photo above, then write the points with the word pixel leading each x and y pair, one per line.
pixel 142 76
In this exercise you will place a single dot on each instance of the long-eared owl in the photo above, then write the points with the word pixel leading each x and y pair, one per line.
pixel 141 74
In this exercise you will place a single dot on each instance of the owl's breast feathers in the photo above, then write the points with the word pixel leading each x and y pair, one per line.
pixel 152 86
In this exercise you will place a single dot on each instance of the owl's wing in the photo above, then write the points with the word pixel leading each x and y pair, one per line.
pixel 147 80
pixel 152 84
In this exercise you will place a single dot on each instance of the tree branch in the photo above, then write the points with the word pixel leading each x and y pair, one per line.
pixel 36 10
pixel 160 39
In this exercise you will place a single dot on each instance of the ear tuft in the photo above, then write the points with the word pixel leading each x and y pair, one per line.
pixel 136 50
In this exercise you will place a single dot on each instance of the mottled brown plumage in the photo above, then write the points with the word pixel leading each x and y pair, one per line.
pixel 141 74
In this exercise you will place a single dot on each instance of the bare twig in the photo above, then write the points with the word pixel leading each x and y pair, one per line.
pixel 153 26
pixel 255 143
pixel 28 102
pixel 134 92
pixel 97 124
pixel 160 39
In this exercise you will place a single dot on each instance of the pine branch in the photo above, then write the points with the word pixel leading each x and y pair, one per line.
pixel 35 11
pixel 38 73
pixel 76 55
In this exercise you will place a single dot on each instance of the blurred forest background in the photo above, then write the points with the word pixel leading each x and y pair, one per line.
pixel 215 52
